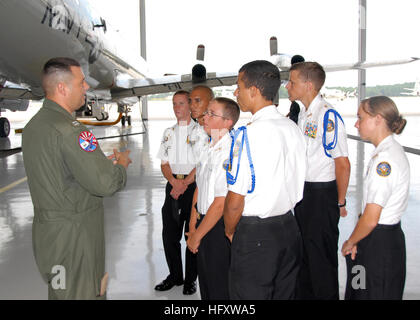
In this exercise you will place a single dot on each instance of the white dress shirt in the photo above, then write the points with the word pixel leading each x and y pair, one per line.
pixel 277 150
pixel 211 173
pixel 178 147
pixel 199 139
pixel 387 180
pixel 321 168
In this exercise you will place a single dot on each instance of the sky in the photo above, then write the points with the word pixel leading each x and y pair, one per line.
pixel 235 32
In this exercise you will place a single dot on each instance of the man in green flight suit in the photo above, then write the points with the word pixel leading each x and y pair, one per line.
pixel 68 175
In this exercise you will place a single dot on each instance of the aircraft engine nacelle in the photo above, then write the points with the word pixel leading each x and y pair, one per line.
pixel 14 105
pixel 199 73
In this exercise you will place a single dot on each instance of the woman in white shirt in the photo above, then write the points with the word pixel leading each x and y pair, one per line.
pixel 377 244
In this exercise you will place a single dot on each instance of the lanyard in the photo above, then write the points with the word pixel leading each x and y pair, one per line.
pixel 230 179
pixel 332 144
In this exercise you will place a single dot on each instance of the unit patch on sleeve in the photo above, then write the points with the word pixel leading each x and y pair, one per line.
pixel 87 141
pixel 330 126
pixel 383 169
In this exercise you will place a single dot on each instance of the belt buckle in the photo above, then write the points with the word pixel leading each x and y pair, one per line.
pixel 198 216
pixel 180 176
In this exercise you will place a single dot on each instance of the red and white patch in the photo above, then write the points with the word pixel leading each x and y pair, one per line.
pixel 87 141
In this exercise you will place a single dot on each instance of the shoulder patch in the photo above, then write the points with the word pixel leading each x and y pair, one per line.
pixel 87 141
pixel 226 165
pixel 383 169
pixel 330 126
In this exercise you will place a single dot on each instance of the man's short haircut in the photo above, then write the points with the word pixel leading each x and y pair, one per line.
pixel 183 92
pixel 59 64
pixel 263 75
pixel 55 70
pixel 310 71
pixel 208 90
pixel 231 109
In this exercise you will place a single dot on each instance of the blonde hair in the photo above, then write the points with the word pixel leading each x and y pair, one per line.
pixel 387 108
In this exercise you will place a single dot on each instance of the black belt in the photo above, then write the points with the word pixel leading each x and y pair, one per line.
pixel 256 220
pixel 320 185
pixel 388 226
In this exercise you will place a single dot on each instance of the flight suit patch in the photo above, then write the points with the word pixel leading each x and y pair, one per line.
pixel 311 129
pixel 383 169
pixel 87 141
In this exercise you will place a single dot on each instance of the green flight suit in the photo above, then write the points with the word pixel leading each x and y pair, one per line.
pixel 67 185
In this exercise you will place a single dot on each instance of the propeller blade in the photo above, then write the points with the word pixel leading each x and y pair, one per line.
pixel 200 52
pixel 273 46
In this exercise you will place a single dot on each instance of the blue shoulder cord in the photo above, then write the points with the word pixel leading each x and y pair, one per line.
pixel 332 144
pixel 230 179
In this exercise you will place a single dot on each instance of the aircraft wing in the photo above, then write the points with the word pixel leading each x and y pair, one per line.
pixel 18 93
pixel 364 65
pixel 284 75
pixel 141 87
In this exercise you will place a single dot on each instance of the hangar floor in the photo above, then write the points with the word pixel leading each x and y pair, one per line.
pixel 135 258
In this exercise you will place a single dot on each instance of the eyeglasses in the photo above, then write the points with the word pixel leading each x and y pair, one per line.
pixel 211 114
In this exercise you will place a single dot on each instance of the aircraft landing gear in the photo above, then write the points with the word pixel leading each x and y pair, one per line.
pixel 125 119
pixel 103 116
pixel 4 127
pixel 125 110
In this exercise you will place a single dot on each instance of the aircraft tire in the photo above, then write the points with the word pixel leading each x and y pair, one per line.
pixel 4 127
pixel 129 120
pixel 123 121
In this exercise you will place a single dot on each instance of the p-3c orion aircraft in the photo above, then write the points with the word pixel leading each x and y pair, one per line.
pixel 33 31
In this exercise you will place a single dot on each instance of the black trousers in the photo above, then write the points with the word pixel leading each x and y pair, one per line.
pixel 265 258
pixel 175 220
pixel 213 260
pixel 379 270
pixel 317 216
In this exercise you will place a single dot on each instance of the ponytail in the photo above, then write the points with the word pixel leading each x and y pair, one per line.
pixel 385 107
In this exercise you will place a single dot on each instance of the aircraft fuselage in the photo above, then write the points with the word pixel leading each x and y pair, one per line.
pixel 33 31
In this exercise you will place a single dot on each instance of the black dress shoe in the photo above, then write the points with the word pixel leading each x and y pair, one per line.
pixel 189 288
pixel 166 285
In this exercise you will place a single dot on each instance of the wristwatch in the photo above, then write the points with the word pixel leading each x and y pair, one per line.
pixel 342 205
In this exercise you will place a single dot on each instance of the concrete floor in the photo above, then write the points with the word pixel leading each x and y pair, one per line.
pixel 134 251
